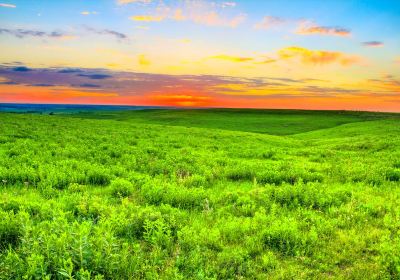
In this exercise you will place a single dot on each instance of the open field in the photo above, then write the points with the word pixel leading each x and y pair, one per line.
pixel 275 122
pixel 200 194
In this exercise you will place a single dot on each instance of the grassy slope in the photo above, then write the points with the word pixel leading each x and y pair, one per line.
pixel 276 122
pixel 138 200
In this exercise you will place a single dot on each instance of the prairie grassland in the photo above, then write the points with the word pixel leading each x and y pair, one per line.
pixel 172 195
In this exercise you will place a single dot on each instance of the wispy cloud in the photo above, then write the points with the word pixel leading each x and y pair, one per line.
pixel 373 44
pixel 294 53
pixel 21 69
pixel 22 33
pixel 70 70
pixel 87 13
pixel 43 85
pixel 87 85
pixel 387 82
pixel 125 2
pixel 116 34
pixel 200 12
pixel 5 5
pixel 95 76
pixel 143 27
pixel 267 61
pixel 269 22
pixel 146 18
pixel 232 58
pixel 7 81
pixel 317 57
pixel 309 28
pixel 228 4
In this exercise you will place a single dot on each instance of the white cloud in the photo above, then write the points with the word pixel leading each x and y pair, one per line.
pixel 7 5
pixel 269 21
pixel 228 4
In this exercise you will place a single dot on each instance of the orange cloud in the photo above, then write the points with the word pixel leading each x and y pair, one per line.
pixel 4 80
pixel 232 58
pixel 306 29
pixel 388 83
pixel 307 56
pixel 57 94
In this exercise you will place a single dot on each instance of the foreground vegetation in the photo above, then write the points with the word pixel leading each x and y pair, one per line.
pixel 123 196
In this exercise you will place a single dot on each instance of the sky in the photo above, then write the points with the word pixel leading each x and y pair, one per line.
pixel 293 54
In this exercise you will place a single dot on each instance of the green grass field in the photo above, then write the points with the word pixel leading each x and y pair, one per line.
pixel 200 194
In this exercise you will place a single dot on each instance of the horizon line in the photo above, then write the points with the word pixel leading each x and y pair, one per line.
pixel 199 107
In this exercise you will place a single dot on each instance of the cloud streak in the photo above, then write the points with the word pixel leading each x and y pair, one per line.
pixel 87 13
pixel 147 18
pixel 323 30
pixel 269 22
pixel 21 69
pixel 95 76
pixel 199 12
pixel 373 44
pixel 125 2
pixel 115 34
pixel 22 33
pixel 5 5
pixel 231 58
pixel 317 57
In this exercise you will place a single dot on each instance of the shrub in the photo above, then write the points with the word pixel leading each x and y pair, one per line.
pixel 393 175
pixel 311 195
pixel 285 237
pixel 197 235
pixel 240 173
pixel 195 181
pixel 290 176
pixel 268 154
pixel 11 228
pixel 390 258
pixel 269 261
pixel 77 188
pixel 232 263
pixel 97 176
pixel 157 233
pixel 173 195
pixel 121 188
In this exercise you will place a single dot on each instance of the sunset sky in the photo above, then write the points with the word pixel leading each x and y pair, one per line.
pixel 339 54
